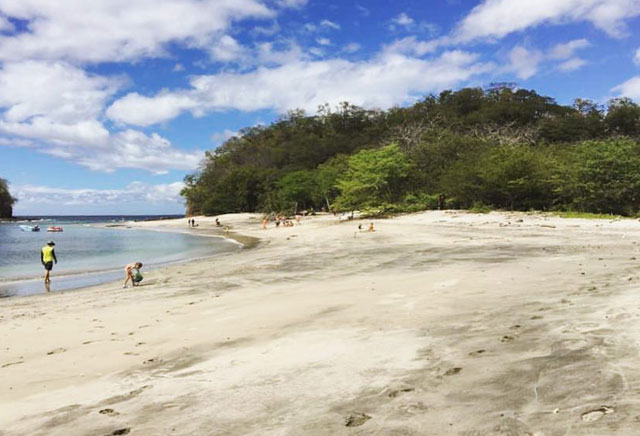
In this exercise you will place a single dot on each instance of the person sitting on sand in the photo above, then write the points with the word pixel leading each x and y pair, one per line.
pixel 218 224
pixel 47 258
pixel 371 228
pixel 129 273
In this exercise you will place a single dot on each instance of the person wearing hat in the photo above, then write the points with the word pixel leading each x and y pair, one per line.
pixel 48 257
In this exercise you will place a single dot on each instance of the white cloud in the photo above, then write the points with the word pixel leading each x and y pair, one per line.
pixel 387 80
pixel 35 196
pixel 572 64
pixel 227 49
pixel 6 25
pixel 412 46
pixel 133 108
pixel 566 50
pixel 352 47
pixel 636 58
pixel 498 18
pixel 220 137
pixel 58 108
pixel 630 88
pixel 118 30
pixel 403 20
pixel 330 24
pixel 295 4
pixel 59 91
pixel 323 41
pixel 524 62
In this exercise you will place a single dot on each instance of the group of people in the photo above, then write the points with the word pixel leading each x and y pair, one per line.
pixel 192 222
pixel 280 219
pixel 371 228
pixel 48 258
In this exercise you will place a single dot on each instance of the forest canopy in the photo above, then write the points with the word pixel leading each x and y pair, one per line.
pixel 6 200
pixel 499 147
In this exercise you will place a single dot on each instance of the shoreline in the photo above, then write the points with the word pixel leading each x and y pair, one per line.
pixel 75 280
pixel 437 322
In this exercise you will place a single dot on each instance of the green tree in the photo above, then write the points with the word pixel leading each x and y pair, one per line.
pixel 327 175
pixel 373 178
pixel 513 177
pixel 6 200
pixel 299 190
pixel 604 177
pixel 623 117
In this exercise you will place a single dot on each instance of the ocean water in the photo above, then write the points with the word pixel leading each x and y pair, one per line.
pixel 88 254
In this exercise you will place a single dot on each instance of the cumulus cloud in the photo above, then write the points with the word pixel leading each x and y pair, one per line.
pixel 498 18
pixel 572 64
pixel 387 80
pixel 58 108
pixel 352 47
pixel 412 46
pixel 36 196
pixel 59 91
pixel 403 20
pixel 630 88
pixel 523 62
pixel 6 25
pixel 566 50
pixel 295 4
pixel 118 30
pixel 220 137
pixel 330 24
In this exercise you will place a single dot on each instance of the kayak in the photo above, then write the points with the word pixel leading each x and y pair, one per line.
pixel 54 229
pixel 26 228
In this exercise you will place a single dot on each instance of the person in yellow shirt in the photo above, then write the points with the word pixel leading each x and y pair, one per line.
pixel 47 258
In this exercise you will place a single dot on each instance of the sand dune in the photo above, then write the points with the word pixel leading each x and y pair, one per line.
pixel 437 323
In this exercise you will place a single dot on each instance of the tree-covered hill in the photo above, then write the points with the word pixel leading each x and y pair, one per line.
pixel 6 200
pixel 499 147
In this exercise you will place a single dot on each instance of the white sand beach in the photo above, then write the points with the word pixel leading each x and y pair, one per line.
pixel 437 323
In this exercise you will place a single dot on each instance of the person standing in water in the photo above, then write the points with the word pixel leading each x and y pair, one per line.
pixel 47 258
pixel 128 270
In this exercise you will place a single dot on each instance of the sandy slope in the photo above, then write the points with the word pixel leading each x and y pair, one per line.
pixel 437 323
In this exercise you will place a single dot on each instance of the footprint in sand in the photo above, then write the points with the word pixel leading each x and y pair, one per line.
pixel 394 394
pixel 477 352
pixel 452 371
pixel 596 414
pixel 56 351
pixel 121 431
pixel 507 339
pixel 356 419
pixel 12 363
pixel 109 412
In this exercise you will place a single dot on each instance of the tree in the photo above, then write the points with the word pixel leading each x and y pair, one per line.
pixel 604 177
pixel 623 117
pixel 513 177
pixel 299 190
pixel 6 200
pixel 327 175
pixel 373 178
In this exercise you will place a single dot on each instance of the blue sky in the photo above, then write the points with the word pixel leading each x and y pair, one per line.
pixel 106 105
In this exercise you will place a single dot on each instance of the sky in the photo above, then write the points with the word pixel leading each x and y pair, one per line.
pixel 106 105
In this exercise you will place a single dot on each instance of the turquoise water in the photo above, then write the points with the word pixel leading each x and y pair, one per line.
pixel 90 255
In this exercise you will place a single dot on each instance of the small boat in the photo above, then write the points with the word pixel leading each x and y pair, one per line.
pixel 54 229
pixel 26 228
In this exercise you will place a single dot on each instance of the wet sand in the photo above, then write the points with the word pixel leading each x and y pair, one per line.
pixel 437 323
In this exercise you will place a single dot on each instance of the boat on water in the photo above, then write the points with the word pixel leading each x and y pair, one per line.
pixel 26 228
pixel 54 229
